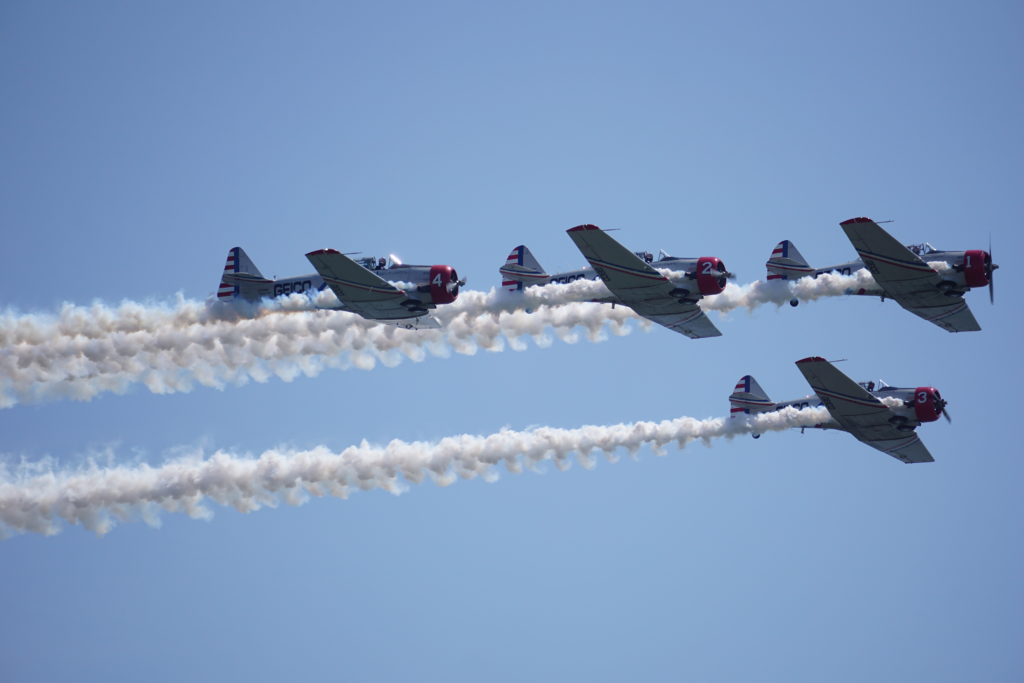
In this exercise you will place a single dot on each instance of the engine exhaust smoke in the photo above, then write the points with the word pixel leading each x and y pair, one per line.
pixel 84 351
pixel 38 498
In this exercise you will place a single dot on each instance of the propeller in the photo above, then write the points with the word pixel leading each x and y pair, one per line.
pixel 455 283
pixel 990 267
pixel 940 403
pixel 724 275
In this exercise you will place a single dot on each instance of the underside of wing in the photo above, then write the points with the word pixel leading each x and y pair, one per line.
pixel 694 324
pixel 949 313
pixel 362 291
pixel 908 449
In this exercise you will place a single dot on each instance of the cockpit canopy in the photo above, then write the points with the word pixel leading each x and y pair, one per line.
pixel 375 263
pixel 922 249
pixel 877 385
pixel 665 256
pixel 644 256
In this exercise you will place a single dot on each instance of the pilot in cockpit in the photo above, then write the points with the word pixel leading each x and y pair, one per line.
pixel 381 262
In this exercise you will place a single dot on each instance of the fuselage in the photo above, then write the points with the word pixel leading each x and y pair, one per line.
pixel 910 406
pixel 664 262
pixel 414 279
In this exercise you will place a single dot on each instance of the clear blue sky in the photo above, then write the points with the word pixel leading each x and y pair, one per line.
pixel 139 141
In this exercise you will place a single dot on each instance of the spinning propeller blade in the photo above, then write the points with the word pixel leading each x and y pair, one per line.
pixel 990 268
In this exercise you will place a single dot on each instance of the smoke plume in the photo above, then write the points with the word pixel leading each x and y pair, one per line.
pixel 38 498
pixel 83 351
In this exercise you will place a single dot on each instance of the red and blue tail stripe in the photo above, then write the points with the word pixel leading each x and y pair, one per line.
pixel 227 290
pixel 516 257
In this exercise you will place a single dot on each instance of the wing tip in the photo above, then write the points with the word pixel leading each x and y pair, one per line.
pixel 861 219
pixel 323 251
pixel 585 226
pixel 812 359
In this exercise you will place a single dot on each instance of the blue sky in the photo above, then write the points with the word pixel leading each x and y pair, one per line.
pixel 140 141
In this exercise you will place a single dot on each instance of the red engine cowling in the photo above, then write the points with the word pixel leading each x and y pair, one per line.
pixel 975 267
pixel 444 284
pixel 927 404
pixel 710 275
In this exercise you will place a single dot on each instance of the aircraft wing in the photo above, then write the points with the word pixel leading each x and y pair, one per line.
pixel 362 291
pixel 952 316
pixel 637 285
pixel 694 324
pixel 909 449
pixel 906 278
pixel 860 413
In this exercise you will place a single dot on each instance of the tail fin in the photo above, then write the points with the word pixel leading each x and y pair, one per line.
pixel 787 263
pixel 241 277
pixel 521 269
pixel 748 397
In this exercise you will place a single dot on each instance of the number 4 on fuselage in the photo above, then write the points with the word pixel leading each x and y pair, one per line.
pixel 385 289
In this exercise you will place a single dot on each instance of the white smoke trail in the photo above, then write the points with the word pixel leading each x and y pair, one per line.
pixel 778 292
pixel 84 351
pixel 36 498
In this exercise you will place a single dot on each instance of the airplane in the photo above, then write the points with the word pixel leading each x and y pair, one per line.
pixel 859 408
pixel 903 273
pixel 381 289
pixel 633 280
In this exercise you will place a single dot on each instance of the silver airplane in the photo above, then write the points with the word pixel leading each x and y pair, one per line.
pixel 902 273
pixel 381 289
pixel 633 279
pixel 855 407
